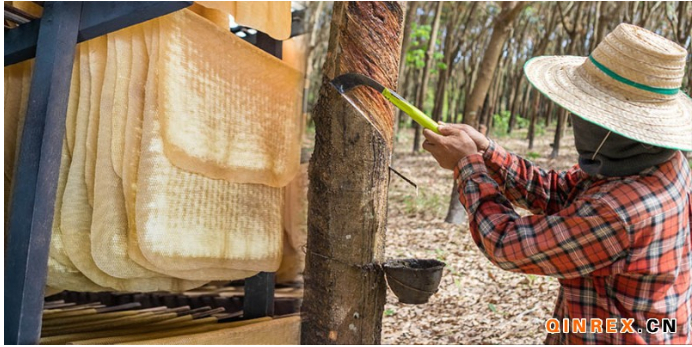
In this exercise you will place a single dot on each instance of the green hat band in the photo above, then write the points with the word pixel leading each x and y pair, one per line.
pixel 613 75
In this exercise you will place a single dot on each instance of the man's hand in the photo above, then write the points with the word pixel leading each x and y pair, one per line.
pixel 479 138
pixel 451 146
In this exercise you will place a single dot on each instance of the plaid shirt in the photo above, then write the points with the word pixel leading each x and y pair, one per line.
pixel 620 247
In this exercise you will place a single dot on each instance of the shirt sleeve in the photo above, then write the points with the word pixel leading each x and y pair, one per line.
pixel 527 185
pixel 574 242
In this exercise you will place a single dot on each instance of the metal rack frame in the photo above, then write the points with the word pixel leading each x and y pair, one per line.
pixel 51 39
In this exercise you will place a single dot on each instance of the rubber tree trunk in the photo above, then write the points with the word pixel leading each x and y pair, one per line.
pixel 501 31
pixel 559 132
pixel 411 9
pixel 420 100
pixel 443 75
pixel 474 102
pixel 347 196
pixel 534 117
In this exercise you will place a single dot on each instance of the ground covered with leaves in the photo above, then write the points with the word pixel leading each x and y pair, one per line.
pixel 477 302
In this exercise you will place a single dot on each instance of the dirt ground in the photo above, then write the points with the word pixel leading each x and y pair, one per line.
pixel 477 302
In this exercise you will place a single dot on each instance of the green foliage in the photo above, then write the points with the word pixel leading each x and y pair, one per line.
pixel 521 122
pixel 492 307
pixel 424 202
pixel 416 58
pixel 310 128
pixel 389 312
pixel 416 53
pixel 540 128
pixel 500 123
pixel 419 33
pixel 533 155
pixel 438 65
pixel 420 36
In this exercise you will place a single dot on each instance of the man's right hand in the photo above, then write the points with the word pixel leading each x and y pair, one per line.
pixel 481 141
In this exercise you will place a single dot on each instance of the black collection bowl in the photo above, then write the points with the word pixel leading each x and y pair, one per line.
pixel 413 281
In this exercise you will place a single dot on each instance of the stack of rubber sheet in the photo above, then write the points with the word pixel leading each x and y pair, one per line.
pixel 153 318
pixel 180 141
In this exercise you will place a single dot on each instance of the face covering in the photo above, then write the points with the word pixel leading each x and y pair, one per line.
pixel 602 152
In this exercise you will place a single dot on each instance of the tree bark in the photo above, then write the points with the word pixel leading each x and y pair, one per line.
pixel 515 101
pixel 474 101
pixel 501 30
pixel 411 8
pixel 420 100
pixel 449 53
pixel 534 116
pixel 347 212
pixel 559 131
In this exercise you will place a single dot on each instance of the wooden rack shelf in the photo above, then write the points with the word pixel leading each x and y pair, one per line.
pixel 51 39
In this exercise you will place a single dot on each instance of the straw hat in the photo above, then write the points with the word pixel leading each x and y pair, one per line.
pixel 629 85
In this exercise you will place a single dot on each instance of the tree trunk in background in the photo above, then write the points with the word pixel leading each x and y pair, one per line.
pixel 440 91
pixel 501 30
pixel 474 101
pixel 559 130
pixel 534 116
pixel 575 32
pixel 347 212
pixel 420 100
pixel 411 8
pixel 515 101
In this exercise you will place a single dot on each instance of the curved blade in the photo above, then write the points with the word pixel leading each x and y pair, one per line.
pixel 349 81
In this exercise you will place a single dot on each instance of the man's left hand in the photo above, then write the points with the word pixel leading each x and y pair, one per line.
pixel 450 146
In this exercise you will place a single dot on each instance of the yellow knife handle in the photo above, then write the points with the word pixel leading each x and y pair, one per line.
pixel 417 115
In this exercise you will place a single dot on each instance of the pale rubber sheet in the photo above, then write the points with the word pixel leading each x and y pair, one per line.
pixel 218 17
pixel 109 223
pixel 139 220
pixel 296 209
pixel 61 272
pixel 76 212
pixel 187 221
pixel 240 118
pixel 17 82
pixel 120 46
pixel 270 17
pixel 295 217
pixel 97 66
pixel 147 38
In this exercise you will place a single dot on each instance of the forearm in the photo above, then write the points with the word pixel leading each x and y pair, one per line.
pixel 526 184
pixel 559 245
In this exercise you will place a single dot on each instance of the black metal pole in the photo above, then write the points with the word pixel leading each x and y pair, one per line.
pixel 37 169
pixel 259 296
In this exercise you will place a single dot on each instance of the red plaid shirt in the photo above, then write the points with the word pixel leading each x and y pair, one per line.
pixel 620 247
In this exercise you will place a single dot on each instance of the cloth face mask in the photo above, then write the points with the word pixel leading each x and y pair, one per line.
pixel 602 152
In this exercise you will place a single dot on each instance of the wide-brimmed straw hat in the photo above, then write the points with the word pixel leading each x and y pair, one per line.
pixel 629 85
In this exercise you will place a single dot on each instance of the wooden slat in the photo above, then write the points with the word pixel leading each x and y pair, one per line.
pixel 281 331
pixel 15 17
pixel 20 13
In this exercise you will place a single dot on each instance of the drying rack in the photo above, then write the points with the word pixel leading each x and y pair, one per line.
pixel 51 39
